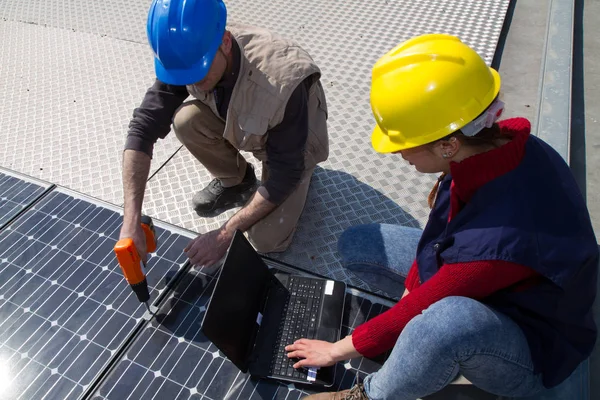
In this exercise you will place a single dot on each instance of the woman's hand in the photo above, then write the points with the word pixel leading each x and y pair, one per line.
pixel 314 353
pixel 317 353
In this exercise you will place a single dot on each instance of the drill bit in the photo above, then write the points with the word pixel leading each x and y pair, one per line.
pixel 147 307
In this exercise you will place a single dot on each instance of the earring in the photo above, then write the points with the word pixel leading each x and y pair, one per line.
pixel 446 155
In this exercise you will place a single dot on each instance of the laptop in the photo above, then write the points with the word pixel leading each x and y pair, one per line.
pixel 255 312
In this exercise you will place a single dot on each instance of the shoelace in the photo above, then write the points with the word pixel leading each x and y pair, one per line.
pixel 356 393
pixel 215 186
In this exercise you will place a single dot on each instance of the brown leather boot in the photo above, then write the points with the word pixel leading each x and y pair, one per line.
pixel 357 392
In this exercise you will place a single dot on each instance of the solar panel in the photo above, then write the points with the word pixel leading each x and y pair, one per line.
pixel 17 193
pixel 71 328
pixel 65 308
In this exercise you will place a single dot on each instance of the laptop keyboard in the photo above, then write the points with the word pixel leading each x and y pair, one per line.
pixel 301 318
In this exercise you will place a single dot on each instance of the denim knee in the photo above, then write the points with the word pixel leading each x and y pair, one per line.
pixel 449 322
pixel 456 335
pixel 353 242
pixel 464 326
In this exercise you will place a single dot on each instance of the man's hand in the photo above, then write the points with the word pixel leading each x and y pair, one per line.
pixel 139 239
pixel 208 248
pixel 317 353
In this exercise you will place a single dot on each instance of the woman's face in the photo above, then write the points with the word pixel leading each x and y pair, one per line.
pixel 429 158
pixel 425 159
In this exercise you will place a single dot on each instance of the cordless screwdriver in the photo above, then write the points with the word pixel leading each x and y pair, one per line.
pixel 131 263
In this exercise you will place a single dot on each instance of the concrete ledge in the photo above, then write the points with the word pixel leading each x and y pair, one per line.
pixel 553 123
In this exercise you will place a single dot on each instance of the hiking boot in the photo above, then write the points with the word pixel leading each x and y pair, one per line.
pixel 215 199
pixel 357 392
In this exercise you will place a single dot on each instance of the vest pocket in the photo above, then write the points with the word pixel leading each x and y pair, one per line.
pixel 250 134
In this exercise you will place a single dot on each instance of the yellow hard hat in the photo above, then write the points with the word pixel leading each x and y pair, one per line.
pixel 426 88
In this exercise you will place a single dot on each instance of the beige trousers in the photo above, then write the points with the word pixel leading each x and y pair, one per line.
pixel 201 132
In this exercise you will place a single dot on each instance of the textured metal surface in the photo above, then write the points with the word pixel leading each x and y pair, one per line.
pixel 93 62
pixel 355 185
pixel 113 18
pixel 66 102
pixel 336 200
pixel 169 193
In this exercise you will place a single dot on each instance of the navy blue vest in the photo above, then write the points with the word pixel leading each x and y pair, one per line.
pixel 535 216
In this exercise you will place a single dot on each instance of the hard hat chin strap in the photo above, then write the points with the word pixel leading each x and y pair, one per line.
pixel 485 120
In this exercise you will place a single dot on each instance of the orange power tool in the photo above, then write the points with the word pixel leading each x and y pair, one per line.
pixel 131 263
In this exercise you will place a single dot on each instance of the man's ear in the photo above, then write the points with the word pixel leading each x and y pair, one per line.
pixel 227 42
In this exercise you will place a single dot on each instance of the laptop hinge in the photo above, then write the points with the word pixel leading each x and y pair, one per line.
pixel 256 329
pixel 267 324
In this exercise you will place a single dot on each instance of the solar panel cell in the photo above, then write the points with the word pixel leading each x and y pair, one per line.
pixel 17 193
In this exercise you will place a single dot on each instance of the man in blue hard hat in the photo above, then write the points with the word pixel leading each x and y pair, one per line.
pixel 252 90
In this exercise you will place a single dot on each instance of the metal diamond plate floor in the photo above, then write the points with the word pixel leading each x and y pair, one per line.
pixel 72 72
pixel 110 18
pixel 169 193
pixel 66 102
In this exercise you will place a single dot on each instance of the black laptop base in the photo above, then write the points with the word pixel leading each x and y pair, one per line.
pixel 254 313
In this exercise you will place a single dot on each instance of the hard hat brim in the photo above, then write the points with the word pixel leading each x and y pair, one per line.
pixel 182 77
pixel 382 144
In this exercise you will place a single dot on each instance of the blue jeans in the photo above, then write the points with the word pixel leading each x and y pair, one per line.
pixel 455 335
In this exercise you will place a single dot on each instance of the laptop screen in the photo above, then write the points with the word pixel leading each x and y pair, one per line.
pixel 230 320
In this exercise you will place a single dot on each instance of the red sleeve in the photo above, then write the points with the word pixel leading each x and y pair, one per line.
pixel 412 280
pixel 476 280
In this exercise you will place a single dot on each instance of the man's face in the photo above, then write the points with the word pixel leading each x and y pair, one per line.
pixel 218 66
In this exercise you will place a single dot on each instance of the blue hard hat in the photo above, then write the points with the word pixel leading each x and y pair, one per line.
pixel 185 35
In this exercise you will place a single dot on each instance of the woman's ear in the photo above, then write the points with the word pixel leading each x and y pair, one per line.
pixel 449 147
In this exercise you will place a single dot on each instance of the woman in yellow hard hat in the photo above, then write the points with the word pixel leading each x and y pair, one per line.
pixel 499 286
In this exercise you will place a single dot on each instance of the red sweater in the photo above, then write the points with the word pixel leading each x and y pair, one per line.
pixel 476 280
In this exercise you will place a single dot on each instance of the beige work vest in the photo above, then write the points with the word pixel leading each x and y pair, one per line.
pixel 270 70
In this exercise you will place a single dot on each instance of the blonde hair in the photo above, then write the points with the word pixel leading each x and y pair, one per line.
pixel 433 194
